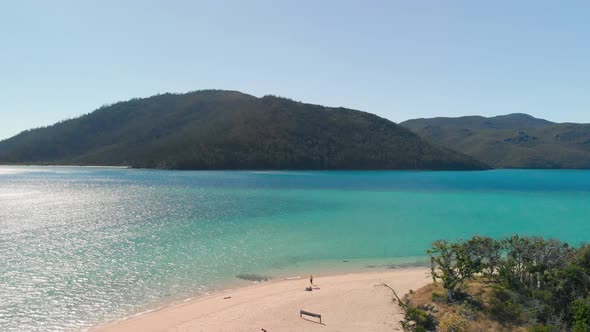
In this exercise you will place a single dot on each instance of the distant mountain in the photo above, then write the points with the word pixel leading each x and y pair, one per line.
pixel 511 121
pixel 510 141
pixel 215 129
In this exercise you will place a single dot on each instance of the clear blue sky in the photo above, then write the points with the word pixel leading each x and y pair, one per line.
pixel 398 59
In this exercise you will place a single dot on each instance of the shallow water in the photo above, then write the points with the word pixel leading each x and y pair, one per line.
pixel 81 245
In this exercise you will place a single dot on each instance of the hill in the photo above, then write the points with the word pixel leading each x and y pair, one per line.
pixel 216 129
pixel 513 284
pixel 510 121
pixel 511 141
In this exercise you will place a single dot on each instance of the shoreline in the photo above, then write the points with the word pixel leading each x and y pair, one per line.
pixel 264 169
pixel 345 300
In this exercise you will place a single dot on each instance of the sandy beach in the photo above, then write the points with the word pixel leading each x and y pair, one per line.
pixel 347 302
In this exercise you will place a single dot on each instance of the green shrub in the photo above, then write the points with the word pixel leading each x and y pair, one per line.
pixel 581 313
pixel 503 307
pixel 418 320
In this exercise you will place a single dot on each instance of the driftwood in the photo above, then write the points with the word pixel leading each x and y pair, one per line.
pixel 396 297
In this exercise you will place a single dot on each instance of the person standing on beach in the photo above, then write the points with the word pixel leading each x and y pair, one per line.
pixel 311 280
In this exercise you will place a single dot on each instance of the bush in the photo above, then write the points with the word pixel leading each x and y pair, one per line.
pixel 453 322
pixel 503 307
pixel 418 320
pixel 581 309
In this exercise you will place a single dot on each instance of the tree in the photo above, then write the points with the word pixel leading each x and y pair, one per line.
pixel 484 254
pixel 449 263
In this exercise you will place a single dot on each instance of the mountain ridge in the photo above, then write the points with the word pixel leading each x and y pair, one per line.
pixel 507 121
pixel 220 129
pixel 510 141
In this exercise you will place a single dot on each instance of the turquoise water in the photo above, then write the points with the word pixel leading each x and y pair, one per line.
pixel 80 245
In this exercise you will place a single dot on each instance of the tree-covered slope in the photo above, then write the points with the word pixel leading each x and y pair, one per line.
pixel 510 121
pixel 510 141
pixel 214 129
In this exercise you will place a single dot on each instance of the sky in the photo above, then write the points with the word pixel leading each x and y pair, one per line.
pixel 398 59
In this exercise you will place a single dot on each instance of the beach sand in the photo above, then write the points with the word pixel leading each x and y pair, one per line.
pixel 347 302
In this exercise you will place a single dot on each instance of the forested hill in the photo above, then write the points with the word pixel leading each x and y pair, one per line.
pixel 510 141
pixel 510 121
pixel 215 129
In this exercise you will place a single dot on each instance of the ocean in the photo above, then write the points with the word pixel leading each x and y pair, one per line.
pixel 84 245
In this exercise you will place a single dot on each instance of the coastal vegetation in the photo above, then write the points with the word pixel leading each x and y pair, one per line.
pixel 513 284
pixel 216 129
pixel 510 141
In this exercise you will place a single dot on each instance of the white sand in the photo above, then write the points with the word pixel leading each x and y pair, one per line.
pixel 347 302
